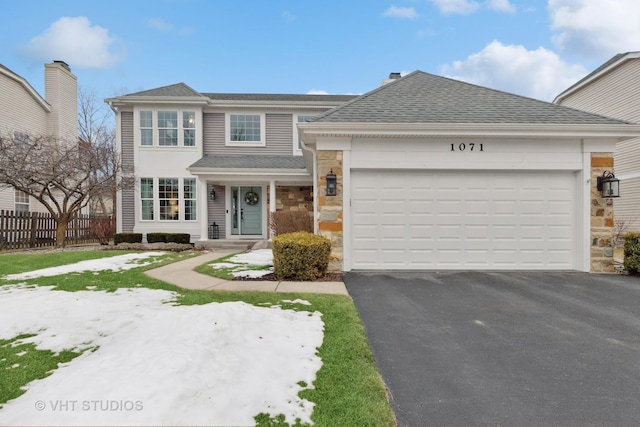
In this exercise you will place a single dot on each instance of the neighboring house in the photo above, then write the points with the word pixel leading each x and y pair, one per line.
pixel 24 114
pixel 613 90
pixel 432 173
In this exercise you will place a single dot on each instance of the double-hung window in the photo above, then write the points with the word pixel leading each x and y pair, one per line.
pixel 146 127
pixel 146 198
pixel 168 195
pixel 167 128
pixel 189 196
pixel 189 128
pixel 245 129
pixel 21 202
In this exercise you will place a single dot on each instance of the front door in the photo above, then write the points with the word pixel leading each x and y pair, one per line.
pixel 246 211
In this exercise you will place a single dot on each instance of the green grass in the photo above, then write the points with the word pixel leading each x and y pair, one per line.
pixel 21 363
pixel 347 392
pixel 227 272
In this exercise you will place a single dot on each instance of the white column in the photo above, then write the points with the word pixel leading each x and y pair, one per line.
pixel 203 216
pixel 272 203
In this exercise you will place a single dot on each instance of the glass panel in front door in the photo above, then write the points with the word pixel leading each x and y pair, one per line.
pixel 246 211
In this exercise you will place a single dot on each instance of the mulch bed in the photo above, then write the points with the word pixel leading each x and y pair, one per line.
pixel 329 277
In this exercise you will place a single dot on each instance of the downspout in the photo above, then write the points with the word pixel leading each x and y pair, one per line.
pixel 315 183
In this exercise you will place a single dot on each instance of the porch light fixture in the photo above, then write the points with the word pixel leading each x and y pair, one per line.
pixel 212 194
pixel 608 185
pixel 332 183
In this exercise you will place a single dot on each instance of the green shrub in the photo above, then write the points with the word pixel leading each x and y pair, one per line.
pixel 127 238
pixel 183 238
pixel 300 256
pixel 632 252
pixel 156 237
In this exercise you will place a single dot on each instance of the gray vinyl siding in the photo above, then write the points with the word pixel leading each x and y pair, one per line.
pixel 128 195
pixel 278 131
pixel 213 133
pixel 216 209
pixel 617 94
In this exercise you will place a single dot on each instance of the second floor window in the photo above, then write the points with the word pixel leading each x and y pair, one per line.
pixel 146 127
pixel 167 128
pixel 245 129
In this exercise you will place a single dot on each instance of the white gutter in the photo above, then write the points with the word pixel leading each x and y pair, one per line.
pixel 314 177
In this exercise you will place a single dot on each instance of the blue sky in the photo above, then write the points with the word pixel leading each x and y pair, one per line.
pixel 533 48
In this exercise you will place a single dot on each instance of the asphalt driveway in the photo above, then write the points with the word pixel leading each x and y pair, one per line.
pixel 518 349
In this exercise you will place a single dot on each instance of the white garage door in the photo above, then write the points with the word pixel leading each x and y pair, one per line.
pixel 463 220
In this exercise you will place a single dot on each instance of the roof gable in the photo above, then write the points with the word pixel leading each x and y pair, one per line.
pixel 608 66
pixel 420 97
pixel 178 89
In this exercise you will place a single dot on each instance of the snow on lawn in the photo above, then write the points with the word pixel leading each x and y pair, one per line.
pixel 115 263
pixel 238 264
pixel 158 363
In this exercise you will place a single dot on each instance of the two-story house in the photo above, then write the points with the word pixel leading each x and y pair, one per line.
pixel 204 158
pixel 24 114
pixel 613 90
pixel 431 173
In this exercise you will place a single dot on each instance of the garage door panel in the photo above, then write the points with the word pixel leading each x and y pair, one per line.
pixel 474 219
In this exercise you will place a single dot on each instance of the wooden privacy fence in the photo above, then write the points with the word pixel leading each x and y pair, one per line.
pixel 37 229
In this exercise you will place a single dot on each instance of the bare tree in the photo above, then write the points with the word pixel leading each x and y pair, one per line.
pixel 62 175
pixel 96 127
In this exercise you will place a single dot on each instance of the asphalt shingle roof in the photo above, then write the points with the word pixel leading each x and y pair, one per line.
pixel 250 162
pixel 181 89
pixel 178 89
pixel 420 97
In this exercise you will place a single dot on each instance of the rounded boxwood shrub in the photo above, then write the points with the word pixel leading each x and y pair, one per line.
pixel 632 252
pixel 300 256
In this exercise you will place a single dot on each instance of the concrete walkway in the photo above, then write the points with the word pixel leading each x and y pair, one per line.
pixel 182 275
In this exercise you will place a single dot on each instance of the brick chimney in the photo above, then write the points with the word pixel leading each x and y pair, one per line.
pixel 61 92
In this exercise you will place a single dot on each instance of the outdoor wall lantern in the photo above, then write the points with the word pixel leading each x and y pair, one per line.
pixel 212 194
pixel 608 185
pixel 332 183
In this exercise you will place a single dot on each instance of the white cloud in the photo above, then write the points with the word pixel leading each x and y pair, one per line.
pixel 501 6
pixel 317 92
pixel 75 41
pixel 400 12
pixel 536 73
pixel 159 24
pixel 465 7
pixel 595 29
pixel 462 7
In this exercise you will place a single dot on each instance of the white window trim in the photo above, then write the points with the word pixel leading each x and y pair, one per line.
pixel 263 130
pixel 137 140
pixel 156 200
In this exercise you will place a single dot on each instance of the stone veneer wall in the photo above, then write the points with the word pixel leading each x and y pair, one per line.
pixel 601 217
pixel 294 198
pixel 330 207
